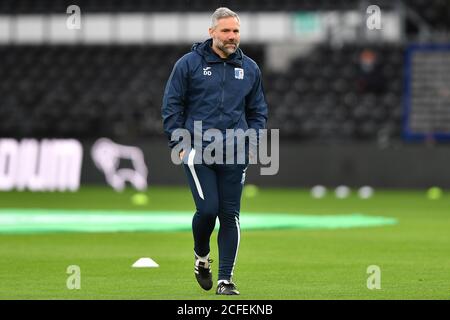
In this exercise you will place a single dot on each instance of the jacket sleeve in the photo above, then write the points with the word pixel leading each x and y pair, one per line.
pixel 174 100
pixel 256 107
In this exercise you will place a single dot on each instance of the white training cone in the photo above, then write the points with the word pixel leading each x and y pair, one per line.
pixel 145 263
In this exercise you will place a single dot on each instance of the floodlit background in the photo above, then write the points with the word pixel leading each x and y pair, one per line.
pixel 360 93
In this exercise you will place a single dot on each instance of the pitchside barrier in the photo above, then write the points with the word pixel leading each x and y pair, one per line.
pixel 65 165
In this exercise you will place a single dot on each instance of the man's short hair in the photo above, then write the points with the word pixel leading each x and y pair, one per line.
pixel 221 13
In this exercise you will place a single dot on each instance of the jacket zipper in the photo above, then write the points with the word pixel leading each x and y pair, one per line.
pixel 223 90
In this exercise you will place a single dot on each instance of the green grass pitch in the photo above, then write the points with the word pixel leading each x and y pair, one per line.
pixel 414 255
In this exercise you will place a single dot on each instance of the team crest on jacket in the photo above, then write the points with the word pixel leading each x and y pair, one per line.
pixel 239 73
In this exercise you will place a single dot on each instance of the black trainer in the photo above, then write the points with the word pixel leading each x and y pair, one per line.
pixel 203 273
pixel 227 288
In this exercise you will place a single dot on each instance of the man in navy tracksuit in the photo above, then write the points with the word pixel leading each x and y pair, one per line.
pixel 217 84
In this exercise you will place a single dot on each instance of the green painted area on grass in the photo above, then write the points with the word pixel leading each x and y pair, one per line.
pixel 39 220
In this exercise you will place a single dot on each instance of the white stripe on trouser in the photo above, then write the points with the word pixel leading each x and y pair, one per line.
pixel 194 175
pixel 237 247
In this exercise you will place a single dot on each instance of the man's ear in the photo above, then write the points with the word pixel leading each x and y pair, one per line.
pixel 210 31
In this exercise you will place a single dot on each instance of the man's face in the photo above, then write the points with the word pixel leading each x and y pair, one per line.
pixel 226 35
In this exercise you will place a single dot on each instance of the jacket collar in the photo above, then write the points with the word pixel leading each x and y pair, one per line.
pixel 205 50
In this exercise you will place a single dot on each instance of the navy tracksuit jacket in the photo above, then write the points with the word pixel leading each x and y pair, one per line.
pixel 223 94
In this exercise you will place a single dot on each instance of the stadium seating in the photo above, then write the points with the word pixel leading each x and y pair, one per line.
pixel 95 90
pixel 326 95
pixel 42 6
pixel 436 13
pixel 116 91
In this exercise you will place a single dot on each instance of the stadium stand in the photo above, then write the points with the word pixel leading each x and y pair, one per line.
pixel 24 6
pixel 310 102
pixel 436 13
pixel 351 92
pixel 116 91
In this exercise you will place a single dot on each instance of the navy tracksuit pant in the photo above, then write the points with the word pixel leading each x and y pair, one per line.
pixel 217 190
